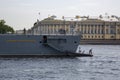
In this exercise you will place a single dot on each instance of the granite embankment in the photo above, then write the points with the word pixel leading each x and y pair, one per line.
pixel 100 42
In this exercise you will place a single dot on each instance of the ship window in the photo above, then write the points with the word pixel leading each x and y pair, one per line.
pixel 75 41
pixel 44 39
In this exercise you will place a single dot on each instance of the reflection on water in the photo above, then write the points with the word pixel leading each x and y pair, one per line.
pixel 104 65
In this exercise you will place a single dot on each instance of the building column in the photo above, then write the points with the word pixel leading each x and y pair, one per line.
pixel 97 29
pixel 69 29
pixel 87 29
pixel 108 29
pixel 100 29
pixel 48 29
pixel 80 28
pixel 58 29
pixel 116 34
pixel 65 27
pixel 53 27
pixel 93 29
pixel 41 29
pixel 83 28
pixel 90 29
pixel 45 29
pixel 38 30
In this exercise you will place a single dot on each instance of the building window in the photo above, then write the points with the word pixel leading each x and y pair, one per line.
pixel 95 30
pixel 92 30
pixel 88 36
pixel 112 31
pixel 82 29
pixel 92 36
pixel 88 30
pixel 106 31
pixel 99 30
pixel 85 30
pixel 112 36
pixel 118 31
pixel 99 36
pixel 95 36
pixel 102 37
pixel 102 31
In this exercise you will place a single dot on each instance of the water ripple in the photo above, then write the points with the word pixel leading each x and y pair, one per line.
pixel 104 65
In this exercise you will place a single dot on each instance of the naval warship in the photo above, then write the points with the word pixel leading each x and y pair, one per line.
pixel 38 45
pixel 43 45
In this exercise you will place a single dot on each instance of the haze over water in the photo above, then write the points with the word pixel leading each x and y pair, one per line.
pixel 104 65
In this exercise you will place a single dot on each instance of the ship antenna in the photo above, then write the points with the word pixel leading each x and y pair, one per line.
pixel 39 15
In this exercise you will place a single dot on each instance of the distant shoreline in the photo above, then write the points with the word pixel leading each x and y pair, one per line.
pixel 99 42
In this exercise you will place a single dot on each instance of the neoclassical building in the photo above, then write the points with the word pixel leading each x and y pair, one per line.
pixel 89 28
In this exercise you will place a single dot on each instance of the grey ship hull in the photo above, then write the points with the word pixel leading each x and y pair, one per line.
pixel 36 45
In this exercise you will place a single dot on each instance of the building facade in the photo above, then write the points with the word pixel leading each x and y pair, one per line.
pixel 98 29
pixel 90 28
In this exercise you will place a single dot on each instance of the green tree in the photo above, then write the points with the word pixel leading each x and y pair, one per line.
pixel 5 28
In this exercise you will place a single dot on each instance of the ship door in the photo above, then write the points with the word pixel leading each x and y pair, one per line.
pixel 44 39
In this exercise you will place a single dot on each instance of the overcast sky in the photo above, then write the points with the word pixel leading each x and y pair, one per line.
pixel 23 13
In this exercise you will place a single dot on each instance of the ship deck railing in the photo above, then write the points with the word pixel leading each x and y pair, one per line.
pixel 43 34
pixel 54 34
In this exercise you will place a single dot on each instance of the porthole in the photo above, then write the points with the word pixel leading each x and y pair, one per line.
pixel 75 41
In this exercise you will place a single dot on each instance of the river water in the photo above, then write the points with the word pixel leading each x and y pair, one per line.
pixel 104 65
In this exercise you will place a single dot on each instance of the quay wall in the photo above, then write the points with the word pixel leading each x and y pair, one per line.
pixel 100 42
